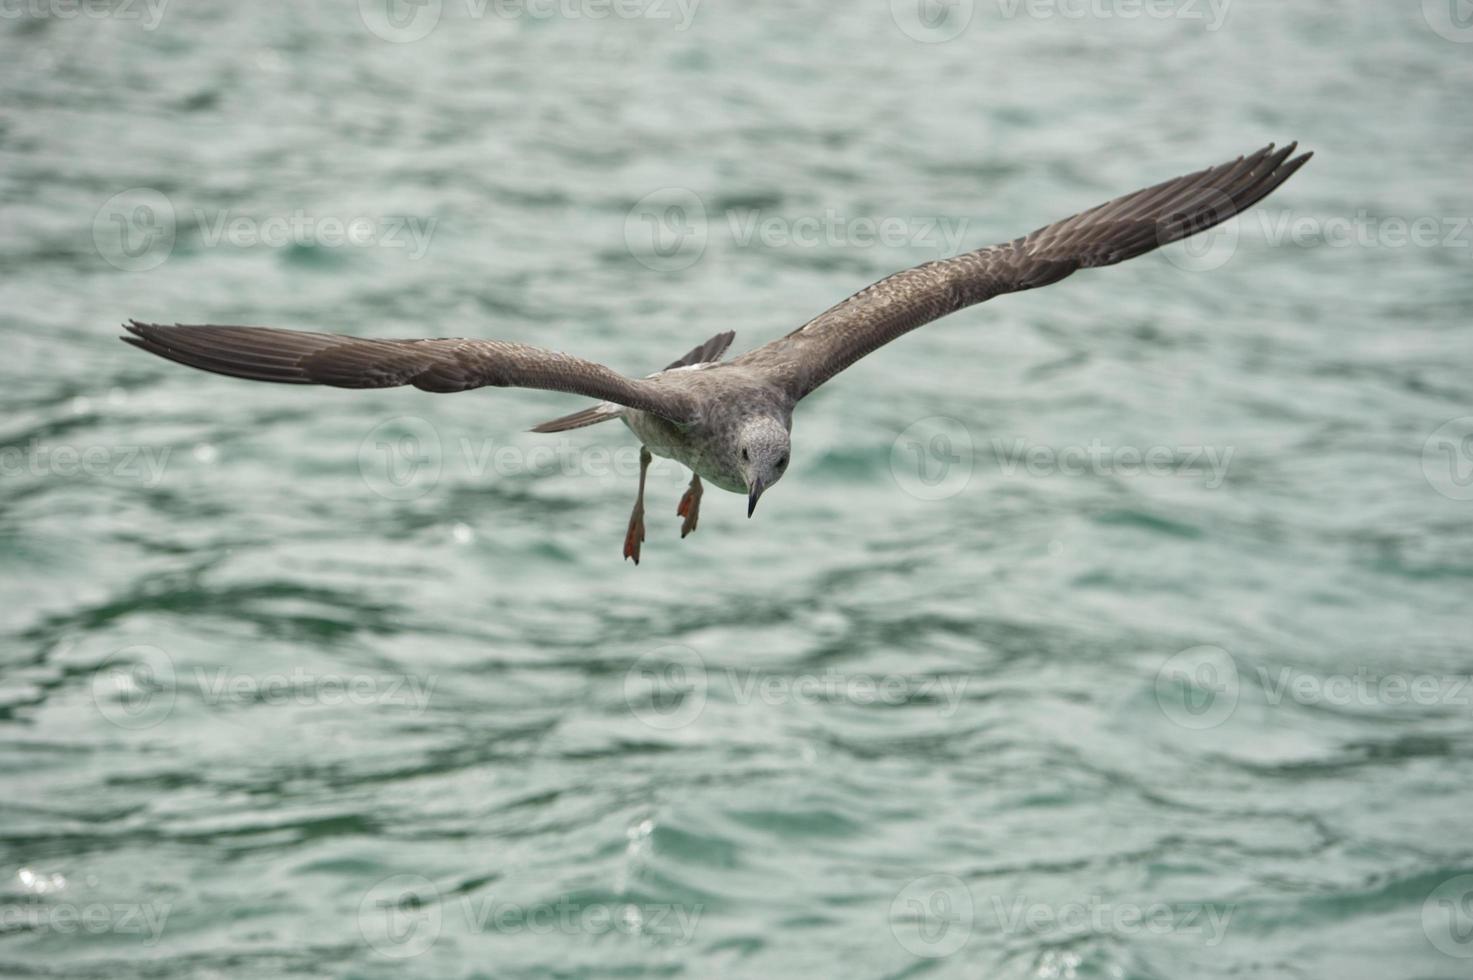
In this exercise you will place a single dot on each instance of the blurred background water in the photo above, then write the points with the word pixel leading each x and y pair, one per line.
pixel 304 682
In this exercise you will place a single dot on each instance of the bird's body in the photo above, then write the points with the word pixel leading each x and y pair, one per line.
pixel 729 421
pixel 731 397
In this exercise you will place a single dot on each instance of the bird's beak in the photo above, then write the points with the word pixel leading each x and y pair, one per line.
pixel 752 495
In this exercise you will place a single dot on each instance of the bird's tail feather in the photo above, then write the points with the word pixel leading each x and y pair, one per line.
pixel 601 412
pixel 711 350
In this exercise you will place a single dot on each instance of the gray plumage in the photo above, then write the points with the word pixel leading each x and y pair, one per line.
pixel 729 420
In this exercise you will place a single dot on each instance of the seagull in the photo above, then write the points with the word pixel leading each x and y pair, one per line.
pixel 729 421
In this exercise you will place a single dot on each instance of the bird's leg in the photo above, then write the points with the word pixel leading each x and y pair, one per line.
pixel 636 519
pixel 690 506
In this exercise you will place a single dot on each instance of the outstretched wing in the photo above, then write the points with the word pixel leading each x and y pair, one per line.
pixel 1122 229
pixel 295 357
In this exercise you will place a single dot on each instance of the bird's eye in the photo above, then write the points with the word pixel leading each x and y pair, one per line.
pixel 782 462
pixel 744 455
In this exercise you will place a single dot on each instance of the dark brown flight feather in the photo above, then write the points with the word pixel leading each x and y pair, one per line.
pixel 1113 232
pixel 296 357
pixel 783 371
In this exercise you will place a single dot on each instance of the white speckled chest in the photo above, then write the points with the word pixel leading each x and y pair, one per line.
pixel 709 446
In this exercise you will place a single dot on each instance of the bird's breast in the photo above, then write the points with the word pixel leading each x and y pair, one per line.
pixel 699 447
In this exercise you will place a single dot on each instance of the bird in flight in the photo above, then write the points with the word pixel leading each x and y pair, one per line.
pixel 729 420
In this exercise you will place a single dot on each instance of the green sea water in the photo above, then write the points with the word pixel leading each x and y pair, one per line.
pixel 1119 629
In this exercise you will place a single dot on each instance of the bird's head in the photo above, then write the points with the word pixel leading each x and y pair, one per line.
pixel 762 451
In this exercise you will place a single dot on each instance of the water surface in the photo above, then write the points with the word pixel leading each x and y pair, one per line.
pixel 324 683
